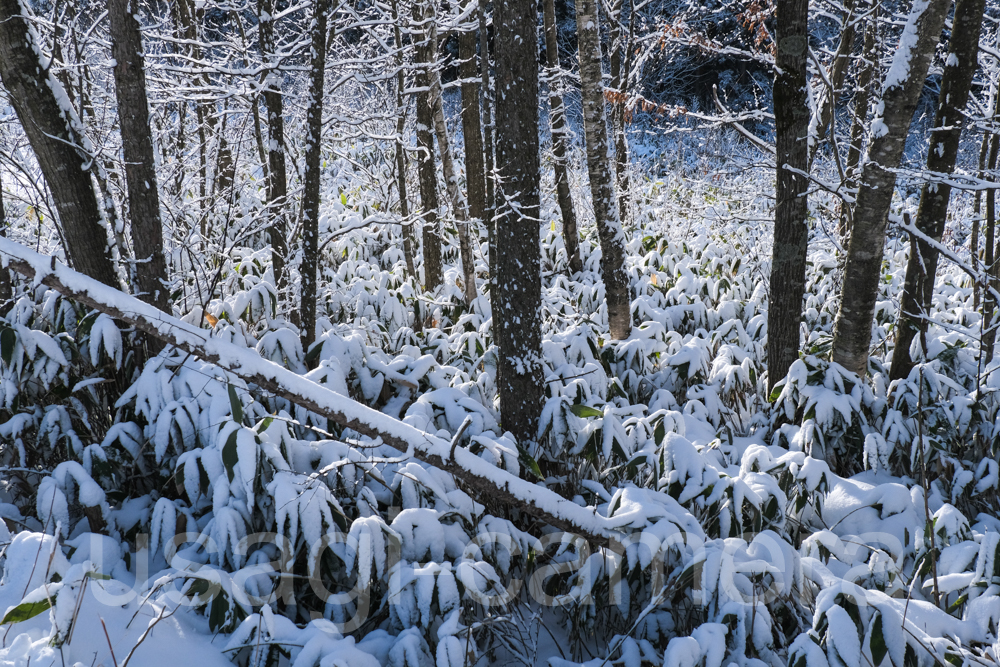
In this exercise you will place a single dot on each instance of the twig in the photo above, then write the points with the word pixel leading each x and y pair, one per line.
pixel 114 661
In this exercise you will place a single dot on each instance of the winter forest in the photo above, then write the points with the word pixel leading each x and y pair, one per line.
pixel 456 333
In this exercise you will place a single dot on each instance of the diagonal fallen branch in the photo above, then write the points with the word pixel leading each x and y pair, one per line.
pixel 481 477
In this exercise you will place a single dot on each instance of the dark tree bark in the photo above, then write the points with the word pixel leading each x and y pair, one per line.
pixel 865 76
pixel 621 59
pixel 518 287
pixel 557 118
pixel 836 74
pixel 791 209
pixel 277 177
pixel 56 137
pixel 990 260
pixel 310 195
pixel 426 170
pixel 602 189
pixel 852 332
pixel 404 203
pixel 484 58
pixel 450 172
pixel 472 131
pixel 6 286
pixel 918 287
pixel 137 150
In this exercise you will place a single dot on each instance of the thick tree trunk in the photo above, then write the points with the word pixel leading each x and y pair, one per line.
pixel 311 195
pixel 404 203
pixel 791 209
pixel 458 205
pixel 609 229
pixel 137 150
pixel 518 287
pixel 852 332
pixel 426 170
pixel 918 287
pixel 484 57
pixel 56 136
pixel 560 130
pixel 277 177
pixel 472 131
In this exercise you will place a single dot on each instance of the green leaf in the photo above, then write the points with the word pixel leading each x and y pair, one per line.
pixel 229 456
pixel 7 340
pixel 585 411
pixel 877 641
pixel 529 463
pixel 234 402
pixel 313 355
pixel 26 610
pixel 263 426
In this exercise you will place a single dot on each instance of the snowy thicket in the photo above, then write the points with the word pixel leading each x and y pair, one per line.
pixel 177 498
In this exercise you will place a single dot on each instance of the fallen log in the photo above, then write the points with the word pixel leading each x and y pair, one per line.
pixel 480 476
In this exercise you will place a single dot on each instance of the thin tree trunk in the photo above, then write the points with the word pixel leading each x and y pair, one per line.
pixel 836 74
pixel 518 288
pixel 426 170
pixel 609 229
pixel 137 150
pixel 56 136
pixel 990 260
pixel 488 214
pixel 447 160
pixel 852 332
pixel 6 286
pixel 311 194
pixel 791 209
pixel 918 286
pixel 977 215
pixel 472 131
pixel 862 98
pixel 404 204
pixel 277 177
pixel 560 130
pixel 620 65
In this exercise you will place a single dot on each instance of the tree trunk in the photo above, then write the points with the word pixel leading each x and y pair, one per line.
pixel 277 177
pixel 56 136
pixel 447 161
pixel 6 286
pixel 791 209
pixel 609 230
pixel 990 260
pixel 137 151
pixel 517 300
pixel 621 53
pixel 560 130
pixel 472 131
pixel 866 74
pixel 852 332
pixel 836 74
pixel 918 287
pixel 404 204
pixel 310 195
pixel 977 216
pixel 426 170
pixel 484 58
